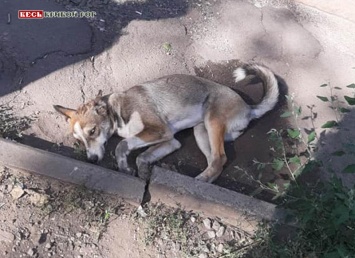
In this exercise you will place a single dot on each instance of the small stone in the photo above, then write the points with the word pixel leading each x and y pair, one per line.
pixel 216 225
pixel 31 252
pixel 203 255
pixel 78 235
pixel 207 223
pixel 37 199
pixel 211 234
pixel 17 192
pixel 220 248
pixel 48 246
pixel 193 219
pixel 220 231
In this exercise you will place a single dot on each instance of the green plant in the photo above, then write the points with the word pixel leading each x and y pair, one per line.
pixel 325 211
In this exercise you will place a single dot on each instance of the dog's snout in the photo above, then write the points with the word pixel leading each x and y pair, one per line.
pixel 93 158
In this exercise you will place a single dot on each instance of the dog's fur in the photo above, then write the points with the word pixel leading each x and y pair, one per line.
pixel 148 115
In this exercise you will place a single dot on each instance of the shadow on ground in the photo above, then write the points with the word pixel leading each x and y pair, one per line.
pixel 321 203
pixel 31 49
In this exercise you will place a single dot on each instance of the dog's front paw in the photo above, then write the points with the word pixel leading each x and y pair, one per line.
pixel 202 177
pixel 129 171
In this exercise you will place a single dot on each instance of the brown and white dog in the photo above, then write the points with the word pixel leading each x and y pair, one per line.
pixel 151 113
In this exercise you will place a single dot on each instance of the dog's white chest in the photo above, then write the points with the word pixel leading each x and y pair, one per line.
pixel 133 127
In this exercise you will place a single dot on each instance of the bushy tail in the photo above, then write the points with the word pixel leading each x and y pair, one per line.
pixel 271 89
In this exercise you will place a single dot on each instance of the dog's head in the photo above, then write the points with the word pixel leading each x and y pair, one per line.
pixel 91 125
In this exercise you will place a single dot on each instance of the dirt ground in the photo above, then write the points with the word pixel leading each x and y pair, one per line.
pixel 45 218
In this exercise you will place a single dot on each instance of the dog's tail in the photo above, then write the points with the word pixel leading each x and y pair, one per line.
pixel 271 89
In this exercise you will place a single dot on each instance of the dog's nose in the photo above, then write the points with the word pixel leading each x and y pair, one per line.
pixel 93 158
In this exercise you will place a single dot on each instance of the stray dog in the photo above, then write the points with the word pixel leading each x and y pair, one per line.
pixel 148 115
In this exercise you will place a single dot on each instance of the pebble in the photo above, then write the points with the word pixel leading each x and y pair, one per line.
pixel 216 225
pixel 31 251
pixel 207 223
pixel 220 248
pixel 48 246
pixel 203 255
pixel 17 192
pixel 193 219
pixel 220 231
pixel 211 234
pixel 79 234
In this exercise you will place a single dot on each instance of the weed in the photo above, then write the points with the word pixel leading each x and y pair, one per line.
pixel 325 212
pixel 172 227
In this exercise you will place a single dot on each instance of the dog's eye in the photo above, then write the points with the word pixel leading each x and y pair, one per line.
pixel 92 131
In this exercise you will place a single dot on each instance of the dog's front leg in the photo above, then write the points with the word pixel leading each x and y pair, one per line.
pixel 143 139
pixel 153 154
pixel 121 153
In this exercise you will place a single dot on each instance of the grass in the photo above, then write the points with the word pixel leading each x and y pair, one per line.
pixel 173 227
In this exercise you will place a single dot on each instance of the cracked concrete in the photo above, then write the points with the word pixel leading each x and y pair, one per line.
pixel 73 59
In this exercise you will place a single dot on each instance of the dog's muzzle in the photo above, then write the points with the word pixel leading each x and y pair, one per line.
pixel 93 158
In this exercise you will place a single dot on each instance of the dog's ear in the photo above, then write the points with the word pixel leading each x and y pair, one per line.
pixel 99 94
pixel 68 112
pixel 101 108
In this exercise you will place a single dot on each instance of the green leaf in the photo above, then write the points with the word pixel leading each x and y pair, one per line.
pixel 325 99
pixel 298 110
pixel 349 169
pixel 256 191
pixel 293 133
pixel 295 160
pixel 330 124
pixel 340 214
pixel 350 100
pixel 338 153
pixel 344 110
pixel 324 85
pixel 277 164
pixel 286 114
pixel 311 137
pixel 352 86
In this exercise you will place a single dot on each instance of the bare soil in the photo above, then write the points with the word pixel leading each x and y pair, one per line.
pixel 45 218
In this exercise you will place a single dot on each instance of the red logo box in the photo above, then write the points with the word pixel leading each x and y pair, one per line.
pixel 30 14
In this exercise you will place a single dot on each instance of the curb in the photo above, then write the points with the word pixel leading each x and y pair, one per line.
pixel 52 165
pixel 234 208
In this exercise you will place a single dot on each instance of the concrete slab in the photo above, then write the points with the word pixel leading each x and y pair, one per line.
pixel 44 163
pixel 234 208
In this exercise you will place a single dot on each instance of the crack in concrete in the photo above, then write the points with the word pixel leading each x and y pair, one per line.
pixel 262 21
pixel 69 54
pixel 83 95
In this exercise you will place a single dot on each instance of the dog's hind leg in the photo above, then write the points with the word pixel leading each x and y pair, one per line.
pixel 202 141
pixel 216 130
pixel 153 154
